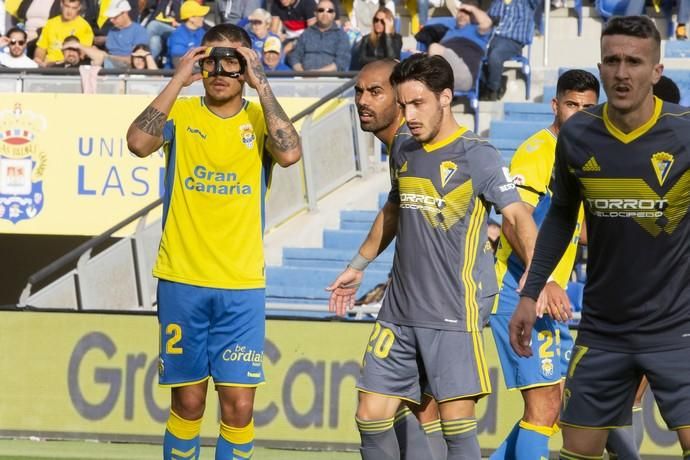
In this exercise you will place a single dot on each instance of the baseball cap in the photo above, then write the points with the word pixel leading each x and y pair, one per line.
pixel 117 7
pixel 192 8
pixel 272 44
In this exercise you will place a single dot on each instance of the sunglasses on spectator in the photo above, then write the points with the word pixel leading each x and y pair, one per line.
pixel 255 22
pixel 381 20
pixel 325 10
pixel 17 42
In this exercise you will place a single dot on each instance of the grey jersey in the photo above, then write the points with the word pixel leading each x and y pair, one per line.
pixel 443 268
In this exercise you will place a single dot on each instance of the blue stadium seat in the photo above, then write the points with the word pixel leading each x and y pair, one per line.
pixel 501 129
pixel 527 111
pixel 677 49
pixel 575 291
pixel 609 8
pixel 526 68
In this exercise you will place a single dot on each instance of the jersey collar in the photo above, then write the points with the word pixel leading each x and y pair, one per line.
pixel 431 147
pixel 634 134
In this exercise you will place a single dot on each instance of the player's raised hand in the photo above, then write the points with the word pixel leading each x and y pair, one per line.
pixel 554 300
pixel 520 326
pixel 343 291
pixel 254 73
pixel 187 71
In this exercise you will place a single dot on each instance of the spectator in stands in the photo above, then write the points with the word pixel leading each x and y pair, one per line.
pixel 142 59
pixel 34 14
pixel 323 46
pixel 124 35
pixel 189 34
pixel 272 57
pixel 382 42
pixel 235 11
pixel 49 45
pixel 290 18
pixel 464 45
pixel 15 41
pixel 75 54
pixel 364 10
pixel 515 27
pixel 259 29
pixel 161 22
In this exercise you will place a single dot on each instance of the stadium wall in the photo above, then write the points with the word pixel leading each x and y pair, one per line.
pixel 73 375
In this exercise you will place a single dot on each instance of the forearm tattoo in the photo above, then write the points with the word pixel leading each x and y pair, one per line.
pixel 151 121
pixel 282 133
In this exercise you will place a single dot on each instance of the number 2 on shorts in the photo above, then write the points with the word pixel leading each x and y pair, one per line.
pixel 174 333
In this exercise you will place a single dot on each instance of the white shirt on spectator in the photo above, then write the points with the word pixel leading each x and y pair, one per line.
pixel 21 62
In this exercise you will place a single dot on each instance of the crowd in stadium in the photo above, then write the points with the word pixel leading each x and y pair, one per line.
pixel 299 35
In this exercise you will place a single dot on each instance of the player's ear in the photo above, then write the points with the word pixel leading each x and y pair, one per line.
pixel 446 97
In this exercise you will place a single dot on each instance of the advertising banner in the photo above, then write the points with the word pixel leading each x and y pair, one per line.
pixel 94 376
pixel 64 164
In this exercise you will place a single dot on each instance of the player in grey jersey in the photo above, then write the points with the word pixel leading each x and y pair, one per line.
pixel 428 333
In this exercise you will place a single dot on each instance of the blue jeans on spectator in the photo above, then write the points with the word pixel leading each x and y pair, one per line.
pixel 501 49
pixel 683 11
pixel 423 11
pixel 158 31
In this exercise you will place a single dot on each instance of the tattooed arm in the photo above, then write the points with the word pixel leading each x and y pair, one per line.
pixel 145 134
pixel 283 139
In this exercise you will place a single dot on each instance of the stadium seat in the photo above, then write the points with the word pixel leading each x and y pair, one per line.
pixel 526 68
pixel 575 291
pixel 609 8
pixel 527 111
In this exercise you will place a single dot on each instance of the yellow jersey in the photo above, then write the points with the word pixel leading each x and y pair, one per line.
pixel 217 176
pixel 532 170
pixel 56 30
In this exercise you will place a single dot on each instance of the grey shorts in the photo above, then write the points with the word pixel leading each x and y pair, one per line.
pixel 600 387
pixel 400 361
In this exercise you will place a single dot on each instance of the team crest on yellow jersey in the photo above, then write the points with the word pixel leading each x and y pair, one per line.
pixel 448 168
pixel 247 135
pixel 662 162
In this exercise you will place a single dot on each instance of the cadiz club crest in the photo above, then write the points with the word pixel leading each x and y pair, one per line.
pixel 22 164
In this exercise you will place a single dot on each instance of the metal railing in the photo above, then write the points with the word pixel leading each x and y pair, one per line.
pixel 137 254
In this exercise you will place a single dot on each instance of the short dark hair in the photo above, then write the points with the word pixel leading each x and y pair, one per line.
pixel 14 30
pixel 229 32
pixel 666 90
pixel 433 71
pixel 632 26
pixel 71 38
pixel 577 80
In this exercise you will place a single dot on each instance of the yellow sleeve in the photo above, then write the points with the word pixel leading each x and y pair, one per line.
pixel 43 39
pixel 531 167
pixel 85 33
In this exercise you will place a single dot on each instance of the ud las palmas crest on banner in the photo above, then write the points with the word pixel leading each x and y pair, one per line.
pixel 22 164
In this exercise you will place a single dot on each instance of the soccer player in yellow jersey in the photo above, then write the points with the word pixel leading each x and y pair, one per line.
pixel 220 150
pixel 539 377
